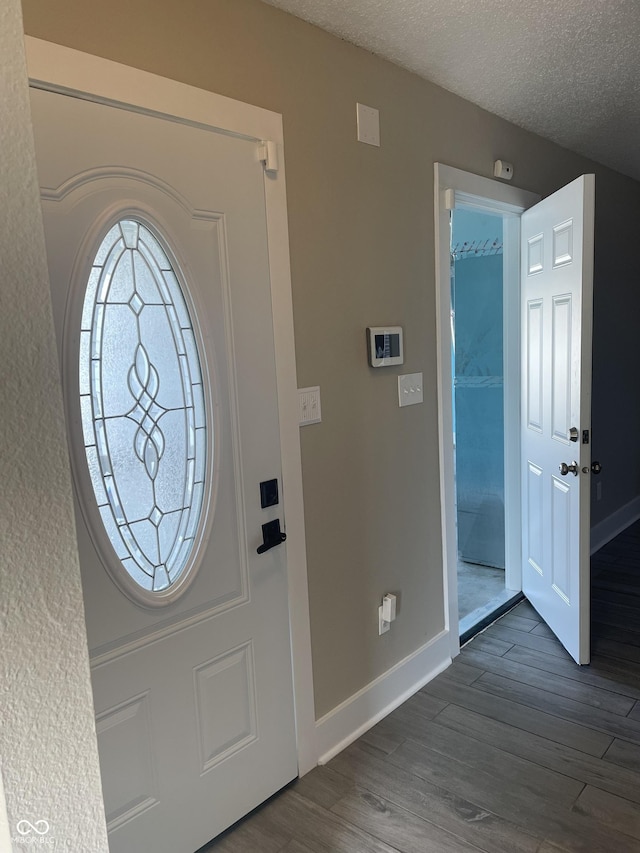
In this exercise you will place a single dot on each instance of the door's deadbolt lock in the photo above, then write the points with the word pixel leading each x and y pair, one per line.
pixel 573 434
pixel 596 467
pixel 565 469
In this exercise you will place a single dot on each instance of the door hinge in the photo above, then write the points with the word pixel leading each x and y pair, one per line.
pixel 268 154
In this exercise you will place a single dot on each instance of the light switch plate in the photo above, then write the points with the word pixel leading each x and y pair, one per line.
pixel 368 125
pixel 410 389
pixel 309 405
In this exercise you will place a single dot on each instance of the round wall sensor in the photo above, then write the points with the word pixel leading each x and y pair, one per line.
pixel 502 169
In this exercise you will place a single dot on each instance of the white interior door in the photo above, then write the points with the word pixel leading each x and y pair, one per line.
pixel 557 287
pixel 191 675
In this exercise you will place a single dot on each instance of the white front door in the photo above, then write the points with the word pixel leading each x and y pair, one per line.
pixel 557 285
pixel 173 424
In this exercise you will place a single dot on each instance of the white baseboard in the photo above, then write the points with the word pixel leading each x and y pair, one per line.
pixel 357 714
pixel 607 529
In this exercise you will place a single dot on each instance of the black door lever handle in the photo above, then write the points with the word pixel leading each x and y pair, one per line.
pixel 271 536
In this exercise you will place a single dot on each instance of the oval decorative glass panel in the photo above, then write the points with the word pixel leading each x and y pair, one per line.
pixel 142 406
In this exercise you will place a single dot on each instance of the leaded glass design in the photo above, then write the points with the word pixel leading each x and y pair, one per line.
pixel 142 406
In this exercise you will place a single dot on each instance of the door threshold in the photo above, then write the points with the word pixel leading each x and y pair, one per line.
pixel 482 617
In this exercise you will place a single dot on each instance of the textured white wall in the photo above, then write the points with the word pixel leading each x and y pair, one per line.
pixel 48 750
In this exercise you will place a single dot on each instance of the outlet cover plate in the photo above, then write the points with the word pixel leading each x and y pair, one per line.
pixel 309 405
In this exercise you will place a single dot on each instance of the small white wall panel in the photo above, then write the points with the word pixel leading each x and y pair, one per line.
pixel 124 738
pixel 563 244
pixel 534 364
pixel 226 705
pixel 561 539
pixel 561 367
pixel 534 516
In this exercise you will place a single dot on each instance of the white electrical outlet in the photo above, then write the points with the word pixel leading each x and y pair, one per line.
pixel 389 607
pixel 383 626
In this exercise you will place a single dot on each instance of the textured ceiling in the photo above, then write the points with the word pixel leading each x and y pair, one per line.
pixel 568 70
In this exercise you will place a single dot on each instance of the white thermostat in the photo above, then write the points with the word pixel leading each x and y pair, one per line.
pixel 385 345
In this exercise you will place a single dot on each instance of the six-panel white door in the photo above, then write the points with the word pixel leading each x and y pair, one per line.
pixel 193 699
pixel 556 296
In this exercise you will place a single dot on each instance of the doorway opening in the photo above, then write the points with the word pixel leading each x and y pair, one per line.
pixel 478 283
pixel 546 292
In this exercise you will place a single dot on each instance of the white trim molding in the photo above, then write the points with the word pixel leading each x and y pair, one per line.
pixel 360 712
pixel 57 68
pixel 607 529
pixel 77 74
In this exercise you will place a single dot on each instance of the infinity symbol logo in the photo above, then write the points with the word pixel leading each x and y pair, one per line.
pixel 40 827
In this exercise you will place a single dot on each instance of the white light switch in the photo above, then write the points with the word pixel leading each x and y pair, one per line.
pixel 309 405
pixel 368 125
pixel 410 389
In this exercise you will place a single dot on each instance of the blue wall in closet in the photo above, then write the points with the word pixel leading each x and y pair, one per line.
pixel 478 386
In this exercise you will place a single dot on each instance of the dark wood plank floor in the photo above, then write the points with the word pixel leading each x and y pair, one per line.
pixel 514 749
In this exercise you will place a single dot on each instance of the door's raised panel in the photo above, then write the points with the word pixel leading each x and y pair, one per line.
pixel 534 516
pixel 534 377
pixel 226 705
pixel 535 254
pixel 561 367
pixel 563 244
pixel 124 739
pixel 561 539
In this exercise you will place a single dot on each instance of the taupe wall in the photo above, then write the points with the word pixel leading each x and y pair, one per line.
pixel 362 252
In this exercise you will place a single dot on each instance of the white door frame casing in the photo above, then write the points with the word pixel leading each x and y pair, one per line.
pixel 71 72
pixel 456 188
